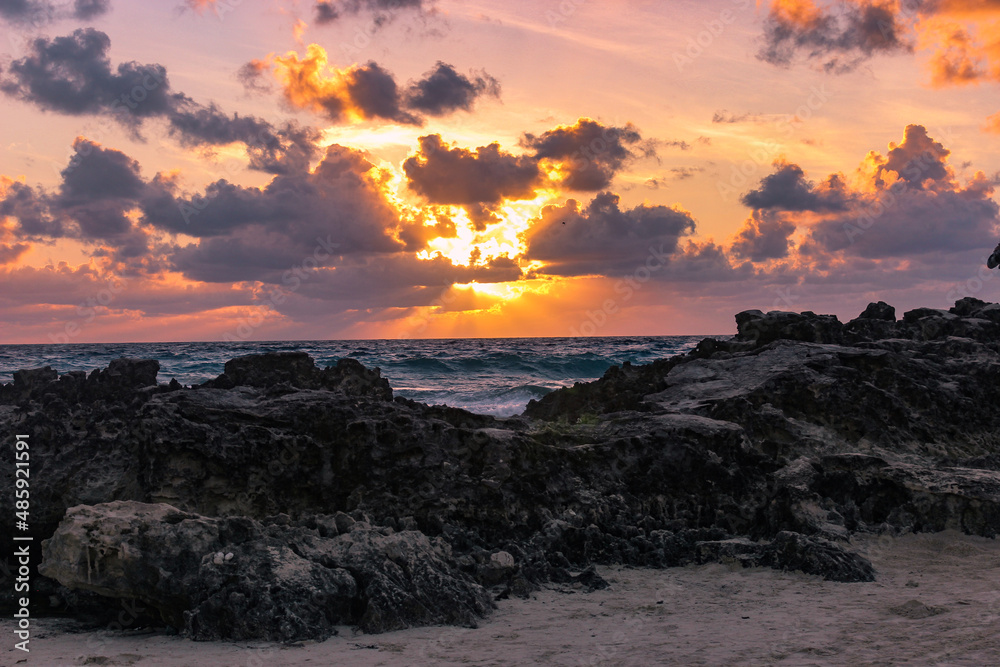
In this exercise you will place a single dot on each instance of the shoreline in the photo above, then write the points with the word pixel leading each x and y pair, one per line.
pixel 936 601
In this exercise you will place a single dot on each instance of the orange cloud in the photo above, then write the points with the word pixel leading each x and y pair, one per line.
pixel 963 54
pixel 356 93
pixel 801 13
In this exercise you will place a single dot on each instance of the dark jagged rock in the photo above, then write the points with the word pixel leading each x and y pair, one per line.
pixel 879 311
pixel 771 449
pixel 238 579
pixel 761 329
pixel 298 370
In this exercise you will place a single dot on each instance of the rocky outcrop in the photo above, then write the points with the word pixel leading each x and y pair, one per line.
pixel 769 449
pixel 235 578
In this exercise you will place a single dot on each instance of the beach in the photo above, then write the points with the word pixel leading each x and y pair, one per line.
pixel 936 601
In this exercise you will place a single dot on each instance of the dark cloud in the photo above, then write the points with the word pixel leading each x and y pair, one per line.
pixel 443 90
pixel 589 153
pixel 88 9
pixel 909 204
pixel 73 75
pixel 367 92
pixel 10 253
pixel 326 12
pixel 104 199
pixel 602 238
pixel 787 190
pixel 329 11
pixel 96 173
pixel 446 175
pixel 270 149
pixel 100 188
pixel 765 235
pixel 40 12
pixel 30 208
pixel 839 35
pixel 257 234
pixel 902 222
pixel 373 91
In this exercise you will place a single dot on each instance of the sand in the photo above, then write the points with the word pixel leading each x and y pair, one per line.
pixel 936 602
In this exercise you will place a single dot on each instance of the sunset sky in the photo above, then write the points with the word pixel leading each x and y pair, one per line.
pixel 266 170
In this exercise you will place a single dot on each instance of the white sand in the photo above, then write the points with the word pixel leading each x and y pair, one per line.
pixel 936 602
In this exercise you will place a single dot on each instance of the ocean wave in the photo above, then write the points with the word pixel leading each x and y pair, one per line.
pixel 489 376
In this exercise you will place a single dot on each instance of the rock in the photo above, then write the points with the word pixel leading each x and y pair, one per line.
pixel 265 370
pixel 967 307
pixel 130 373
pixel 812 555
pixel 298 370
pixel 760 329
pixel 879 311
pixel 771 449
pixel 286 584
pixel 29 380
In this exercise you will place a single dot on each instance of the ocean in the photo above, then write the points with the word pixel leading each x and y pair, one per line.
pixel 496 376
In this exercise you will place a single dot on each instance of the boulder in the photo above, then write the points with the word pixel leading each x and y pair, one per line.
pixel 239 579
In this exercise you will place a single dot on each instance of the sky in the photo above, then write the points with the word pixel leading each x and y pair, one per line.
pixel 304 170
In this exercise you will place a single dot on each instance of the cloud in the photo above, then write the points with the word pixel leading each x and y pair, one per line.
pixel 918 161
pixel 368 92
pixel 29 207
pixel 99 191
pixel 73 75
pixel 588 154
pixel 446 175
pixel 787 190
pixel 88 9
pixel 723 116
pixel 254 75
pixel 905 203
pixel 329 11
pixel 11 253
pixel 270 149
pixel 839 35
pixel 40 12
pixel 765 235
pixel 602 239
pixel 257 234
pixel 246 232
pixel 443 90
pixel 964 35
